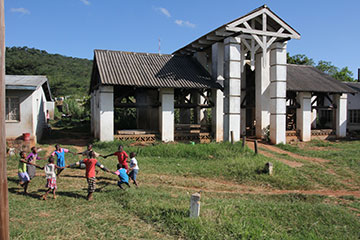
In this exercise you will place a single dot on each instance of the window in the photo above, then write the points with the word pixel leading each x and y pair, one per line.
pixel 354 116
pixel 12 109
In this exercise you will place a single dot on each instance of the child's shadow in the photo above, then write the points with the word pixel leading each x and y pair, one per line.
pixel 70 194
pixel 20 192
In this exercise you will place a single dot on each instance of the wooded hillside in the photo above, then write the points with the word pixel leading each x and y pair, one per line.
pixel 67 75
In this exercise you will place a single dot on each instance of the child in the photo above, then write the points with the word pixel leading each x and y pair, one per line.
pixel 90 172
pixel 134 167
pixel 124 178
pixel 22 171
pixel 122 157
pixel 60 154
pixel 31 159
pixel 50 177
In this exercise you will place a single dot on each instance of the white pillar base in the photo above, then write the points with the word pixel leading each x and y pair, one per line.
pixel 341 114
pixel 106 113
pixel 304 116
pixel 166 114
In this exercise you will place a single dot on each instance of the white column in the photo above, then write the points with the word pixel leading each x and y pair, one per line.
pixel 217 69
pixel 304 116
pixel 96 114
pixel 262 93
pixel 166 114
pixel 232 88
pixel 106 113
pixel 278 93
pixel 341 114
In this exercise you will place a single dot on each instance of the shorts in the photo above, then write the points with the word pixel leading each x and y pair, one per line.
pixel 133 174
pixel 24 177
pixel 91 184
pixel 51 183
pixel 61 163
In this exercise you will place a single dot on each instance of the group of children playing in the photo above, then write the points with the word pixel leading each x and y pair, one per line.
pixel 27 168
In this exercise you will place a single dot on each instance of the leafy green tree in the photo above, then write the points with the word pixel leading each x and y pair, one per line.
pixel 300 59
pixel 67 75
pixel 343 75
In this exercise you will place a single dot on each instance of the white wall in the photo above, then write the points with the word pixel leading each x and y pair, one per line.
pixel 32 114
pixel 353 104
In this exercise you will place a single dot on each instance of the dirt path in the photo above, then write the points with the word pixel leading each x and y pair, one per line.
pixel 280 151
pixel 227 187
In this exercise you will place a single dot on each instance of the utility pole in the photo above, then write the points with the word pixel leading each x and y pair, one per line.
pixel 4 204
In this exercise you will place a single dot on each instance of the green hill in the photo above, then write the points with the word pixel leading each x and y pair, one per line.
pixel 67 75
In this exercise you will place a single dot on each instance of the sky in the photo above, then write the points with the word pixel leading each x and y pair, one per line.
pixel 330 29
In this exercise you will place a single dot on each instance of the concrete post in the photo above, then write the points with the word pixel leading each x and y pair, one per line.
pixel 232 88
pixel 341 114
pixel 278 93
pixel 262 93
pixel 304 116
pixel 217 61
pixel 195 205
pixel 166 114
pixel 106 113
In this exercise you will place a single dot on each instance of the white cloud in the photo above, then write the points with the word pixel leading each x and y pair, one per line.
pixel 86 2
pixel 164 11
pixel 185 23
pixel 20 10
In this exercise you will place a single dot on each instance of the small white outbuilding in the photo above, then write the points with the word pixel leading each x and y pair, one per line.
pixel 27 100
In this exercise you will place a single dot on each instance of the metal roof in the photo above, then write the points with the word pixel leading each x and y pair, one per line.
pixel 229 29
pixel 304 78
pixel 28 82
pixel 354 85
pixel 149 70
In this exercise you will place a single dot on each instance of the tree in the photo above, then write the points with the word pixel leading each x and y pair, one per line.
pixel 300 59
pixel 325 66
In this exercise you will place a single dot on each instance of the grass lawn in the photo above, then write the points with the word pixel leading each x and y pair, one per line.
pixel 170 173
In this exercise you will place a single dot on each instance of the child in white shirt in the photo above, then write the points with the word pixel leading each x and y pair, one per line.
pixel 134 168
pixel 50 177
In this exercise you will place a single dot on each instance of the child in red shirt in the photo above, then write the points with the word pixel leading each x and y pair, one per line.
pixel 122 157
pixel 90 164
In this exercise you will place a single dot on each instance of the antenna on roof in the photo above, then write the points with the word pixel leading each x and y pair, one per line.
pixel 159 47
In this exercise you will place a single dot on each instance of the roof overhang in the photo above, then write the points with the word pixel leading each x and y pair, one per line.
pixel 260 22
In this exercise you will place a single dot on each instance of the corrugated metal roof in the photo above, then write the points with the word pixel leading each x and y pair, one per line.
pixel 28 82
pixel 151 70
pixel 304 78
pixel 354 85
pixel 25 80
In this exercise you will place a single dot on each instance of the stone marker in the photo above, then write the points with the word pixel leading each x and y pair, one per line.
pixel 195 205
pixel 269 168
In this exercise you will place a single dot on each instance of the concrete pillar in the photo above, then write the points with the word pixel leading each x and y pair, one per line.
pixel 217 69
pixel 96 114
pixel 341 114
pixel 262 93
pixel 304 116
pixel 278 93
pixel 166 114
pixel 106 113
pixel 232 88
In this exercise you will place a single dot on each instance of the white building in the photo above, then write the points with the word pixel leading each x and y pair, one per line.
pixel 354 106
pixel 247 57
pixel 27 99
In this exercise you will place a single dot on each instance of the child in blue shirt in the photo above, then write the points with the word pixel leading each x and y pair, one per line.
pixel 123 177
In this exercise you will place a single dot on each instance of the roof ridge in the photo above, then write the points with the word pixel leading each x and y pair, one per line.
pixel 127 52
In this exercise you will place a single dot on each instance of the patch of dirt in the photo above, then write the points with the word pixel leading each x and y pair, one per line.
pixel 209 185
pixel 292 164
pixel 280 151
